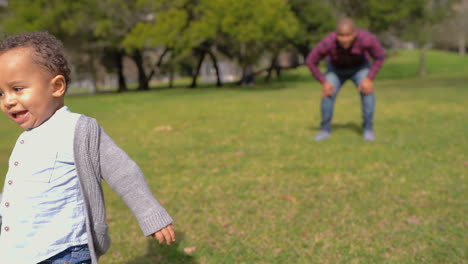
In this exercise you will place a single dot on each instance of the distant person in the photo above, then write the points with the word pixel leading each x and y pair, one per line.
pixel 52 209
pixel 249 76
pixel 347 52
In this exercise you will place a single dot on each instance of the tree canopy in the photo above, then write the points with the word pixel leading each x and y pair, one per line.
pixel 183 32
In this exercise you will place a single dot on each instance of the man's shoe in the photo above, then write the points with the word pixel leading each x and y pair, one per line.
pixel 322 134
pixel 368 135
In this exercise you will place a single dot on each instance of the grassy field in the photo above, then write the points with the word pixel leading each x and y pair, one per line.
pixel 240 173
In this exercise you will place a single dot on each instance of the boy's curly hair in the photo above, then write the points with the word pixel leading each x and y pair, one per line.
pixel 48 51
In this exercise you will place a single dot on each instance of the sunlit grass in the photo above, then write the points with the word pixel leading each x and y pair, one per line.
pixel 240 173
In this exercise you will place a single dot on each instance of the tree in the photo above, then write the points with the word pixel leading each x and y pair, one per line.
pixel 87 25
pixel 112 29
pixel 453 32
pixel 379 16
pixel 165 30
pixel 421 23
pixel 312 28
pixel 240 29
pixel 246 30
pixel 64 19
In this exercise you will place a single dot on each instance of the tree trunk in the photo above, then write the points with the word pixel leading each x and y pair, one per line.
pixel 270 69
pixel 304 50
pixel 218 72
pixel 93 75
pixel 422 61
pixel 462 46
pixel 278 72
pixel 158 64
pixel 143 82
pixel 197 70
pixel 171 77
pixel 119 55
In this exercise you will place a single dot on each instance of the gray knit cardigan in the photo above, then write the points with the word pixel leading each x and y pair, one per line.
pixel 98 157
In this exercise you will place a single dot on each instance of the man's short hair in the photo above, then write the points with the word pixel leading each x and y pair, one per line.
pixel 48 51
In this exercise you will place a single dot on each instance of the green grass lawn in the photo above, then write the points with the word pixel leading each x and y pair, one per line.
pixel 240 173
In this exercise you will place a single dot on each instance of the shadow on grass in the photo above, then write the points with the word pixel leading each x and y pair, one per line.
pixel 156 253
pixel 346 126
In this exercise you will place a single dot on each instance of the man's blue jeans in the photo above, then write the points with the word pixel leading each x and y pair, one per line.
pixel 72 255
pixel 337 77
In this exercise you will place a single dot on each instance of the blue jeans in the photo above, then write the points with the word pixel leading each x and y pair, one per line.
pixel 72 255
pixel 337 77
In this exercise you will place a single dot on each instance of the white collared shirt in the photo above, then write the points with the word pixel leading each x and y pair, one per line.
pixel 42 208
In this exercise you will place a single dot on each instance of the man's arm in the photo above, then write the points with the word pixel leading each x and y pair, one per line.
pixel 378 54
pixel 316 55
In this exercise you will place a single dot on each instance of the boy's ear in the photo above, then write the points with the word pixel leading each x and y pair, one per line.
pixel 59 86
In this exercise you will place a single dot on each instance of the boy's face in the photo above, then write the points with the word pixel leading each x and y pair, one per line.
pixel 29 94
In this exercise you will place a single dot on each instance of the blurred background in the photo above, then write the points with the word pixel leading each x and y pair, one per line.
pixel 119 45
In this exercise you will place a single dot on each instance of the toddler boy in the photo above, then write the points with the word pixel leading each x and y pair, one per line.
pixel 52 207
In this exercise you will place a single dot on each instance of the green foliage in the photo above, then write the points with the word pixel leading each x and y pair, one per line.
pixel 382 15
pixel 379 16
pixel 312 28
pixel 113 19
pixel 420 23
pixel 248 27
pixel 58 17
pixel 166 29
pixel 251 21
pixel 244 27
pixel 81 20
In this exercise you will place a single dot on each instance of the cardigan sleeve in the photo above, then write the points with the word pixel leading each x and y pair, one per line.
pixel 125 177
pixel 1 214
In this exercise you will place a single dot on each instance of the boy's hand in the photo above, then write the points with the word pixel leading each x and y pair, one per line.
pixel 166 233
